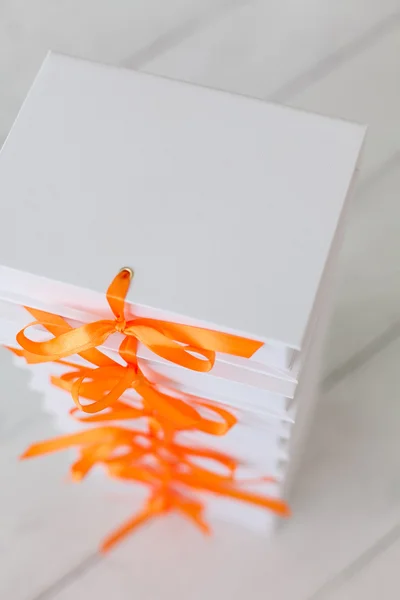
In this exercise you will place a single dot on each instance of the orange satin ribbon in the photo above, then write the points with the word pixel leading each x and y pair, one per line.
pixel 174 342
pixel 110 380
pixel 154 458
pixel 171 476
pixel 106 385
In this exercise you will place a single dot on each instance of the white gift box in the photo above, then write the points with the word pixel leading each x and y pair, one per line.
pixel 230 210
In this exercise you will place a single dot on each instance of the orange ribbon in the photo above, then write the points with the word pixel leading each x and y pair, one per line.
pixel 174 342
pixel 153 458
pixel 106 385
pixel 171 476
pixel 110 380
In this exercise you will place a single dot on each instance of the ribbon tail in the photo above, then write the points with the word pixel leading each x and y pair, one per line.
pixel 54 445
pixel 276 505
pixel 194 512
pixel 100 435
pixel 204 339
pixel 125 529
pixel 155 506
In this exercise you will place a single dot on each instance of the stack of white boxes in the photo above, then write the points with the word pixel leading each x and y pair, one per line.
pixel 230 212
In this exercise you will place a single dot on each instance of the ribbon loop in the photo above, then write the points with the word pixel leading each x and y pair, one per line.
pixel 117 292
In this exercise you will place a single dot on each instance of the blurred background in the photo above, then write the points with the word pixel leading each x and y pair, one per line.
pixel 337 58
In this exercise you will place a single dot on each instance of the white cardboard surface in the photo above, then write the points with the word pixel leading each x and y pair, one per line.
pixel 226 207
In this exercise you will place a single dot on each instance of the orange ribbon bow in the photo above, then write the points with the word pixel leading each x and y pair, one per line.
pixel 172 341
pixel 171 475
pixel 106 383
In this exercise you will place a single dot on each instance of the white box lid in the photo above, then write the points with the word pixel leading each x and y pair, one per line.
pixel 225 206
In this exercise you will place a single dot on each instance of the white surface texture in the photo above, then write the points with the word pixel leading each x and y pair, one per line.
pixel 225 206
pixel 338 58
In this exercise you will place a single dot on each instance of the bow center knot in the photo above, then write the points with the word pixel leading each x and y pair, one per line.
pixel 120 325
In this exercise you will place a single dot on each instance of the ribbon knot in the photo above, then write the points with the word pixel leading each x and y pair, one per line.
pixel 120 325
